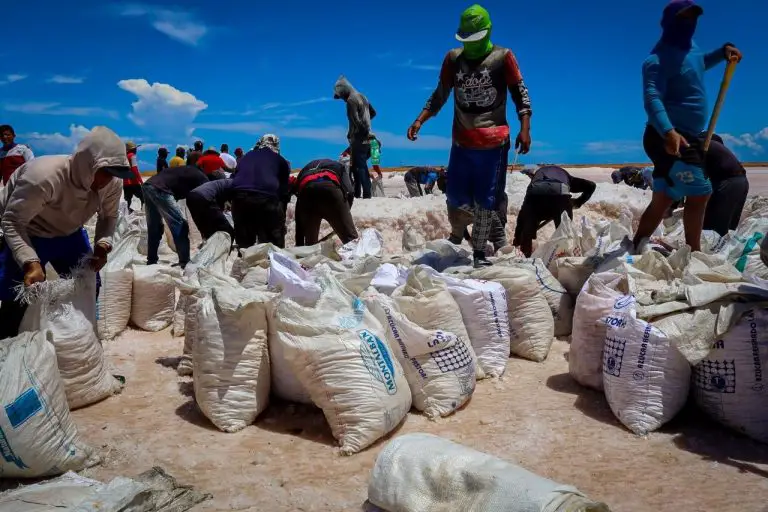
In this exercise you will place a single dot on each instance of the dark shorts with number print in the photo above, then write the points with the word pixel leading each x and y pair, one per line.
pixel 677 177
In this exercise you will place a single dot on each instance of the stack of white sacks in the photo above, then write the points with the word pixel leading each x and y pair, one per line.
pixel 652 331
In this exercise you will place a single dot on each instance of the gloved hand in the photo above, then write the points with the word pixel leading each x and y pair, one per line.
pixel 33 273
pixel 99 257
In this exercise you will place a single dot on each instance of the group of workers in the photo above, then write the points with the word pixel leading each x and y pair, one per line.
pixel 47 200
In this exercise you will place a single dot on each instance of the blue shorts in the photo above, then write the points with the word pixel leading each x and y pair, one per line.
pixel 64 253
pixel 687 180
pixel 475 175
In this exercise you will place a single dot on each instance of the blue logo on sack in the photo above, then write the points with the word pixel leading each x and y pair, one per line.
pixel 377 360
pixel 624 302
pixel 358 311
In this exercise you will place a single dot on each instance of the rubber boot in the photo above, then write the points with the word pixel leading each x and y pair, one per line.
pixel 480 259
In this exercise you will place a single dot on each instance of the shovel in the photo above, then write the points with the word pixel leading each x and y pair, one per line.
pixel 729 69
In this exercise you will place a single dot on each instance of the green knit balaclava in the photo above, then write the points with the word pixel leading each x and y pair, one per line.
pixel 474 21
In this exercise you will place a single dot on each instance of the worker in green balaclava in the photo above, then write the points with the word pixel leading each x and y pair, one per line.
pixel 480 74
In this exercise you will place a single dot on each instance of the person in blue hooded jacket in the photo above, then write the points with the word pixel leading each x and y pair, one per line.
pixel 675 101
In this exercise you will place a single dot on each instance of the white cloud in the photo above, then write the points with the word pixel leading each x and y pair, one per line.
pixel 421 67
pixel 161 109
pixel 274 105
pixel 64 79
pixel 56 109
pixel 176 23
pixel 612 147
pixel 9 79
pixel 331 134
pixel 750 141
pixel 55 143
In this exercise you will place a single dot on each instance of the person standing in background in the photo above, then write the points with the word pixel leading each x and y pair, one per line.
pixel 675 100
pixel 730 188
pixel 359 114
pixel 162 159
pixel 132 186
pixel 178 160
pixel 481 74
pixel 377 187
pixel 195 153
pixel 212 164
pixel 12 155
pixel 238 154
pixel 229 160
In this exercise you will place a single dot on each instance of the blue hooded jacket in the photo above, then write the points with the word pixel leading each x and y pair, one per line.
pixel 673 75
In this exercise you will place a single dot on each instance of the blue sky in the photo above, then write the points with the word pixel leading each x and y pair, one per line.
pixel 229 71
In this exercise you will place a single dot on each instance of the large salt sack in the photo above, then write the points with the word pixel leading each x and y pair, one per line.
pixel 231 355
pixel 598 299
pixel 67 308
pixel 38 435
pixel 439 368
pixel 729 385
pixel 483 306
pixel 646 379
pixel 426 301
pixel 211 256
pixel 336 349
pixel 154 297
pixel 531 325
pixel 425 473
pixel 564 242
pixel 572 272
pixel 560 301
pixel 113 308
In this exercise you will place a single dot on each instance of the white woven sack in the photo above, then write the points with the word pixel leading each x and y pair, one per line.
pixel 67 308
pixel 729 385
pixel 336 349
pixel 531 325
pixel 564 242
pixel 211 256
pixel 38 435
pixel 558 298
pixel 425 473
pixel 572 272
pixel 483 306
pixel 438 367
pixel 426 301
pixel 231 356
pixel 596 302
pixel 113 308
pixel 646 379
pixel 154 297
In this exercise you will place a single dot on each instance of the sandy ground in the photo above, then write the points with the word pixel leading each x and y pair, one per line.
pixel 536 416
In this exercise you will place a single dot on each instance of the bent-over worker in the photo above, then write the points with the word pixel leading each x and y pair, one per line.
pixel 260 195
pixel 206 205
pixel 43 209
pixel 324 192
pixel 547 197
pixel 418 176
pixel 161 192
pixel 730 188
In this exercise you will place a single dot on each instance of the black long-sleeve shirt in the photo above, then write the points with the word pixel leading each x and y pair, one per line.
pixel 555 174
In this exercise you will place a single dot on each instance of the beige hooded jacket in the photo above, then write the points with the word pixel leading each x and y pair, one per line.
pixel 51 196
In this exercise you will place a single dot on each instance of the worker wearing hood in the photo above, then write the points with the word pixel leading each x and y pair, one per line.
pixel 481 75
pixel 675 100
pixel 359 114
pixel 43 210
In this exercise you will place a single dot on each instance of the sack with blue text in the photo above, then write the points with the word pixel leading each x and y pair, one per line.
pixel 337 351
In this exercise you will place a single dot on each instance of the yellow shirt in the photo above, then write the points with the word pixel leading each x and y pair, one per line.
pixel 177 161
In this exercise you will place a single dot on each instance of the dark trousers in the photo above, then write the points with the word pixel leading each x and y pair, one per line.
pixel 258 218
pixel 64 253
pixel 359 167
pixel 323 201
pixel 412 184
pixel 208 216
pixel 131 191
pixel 726 204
